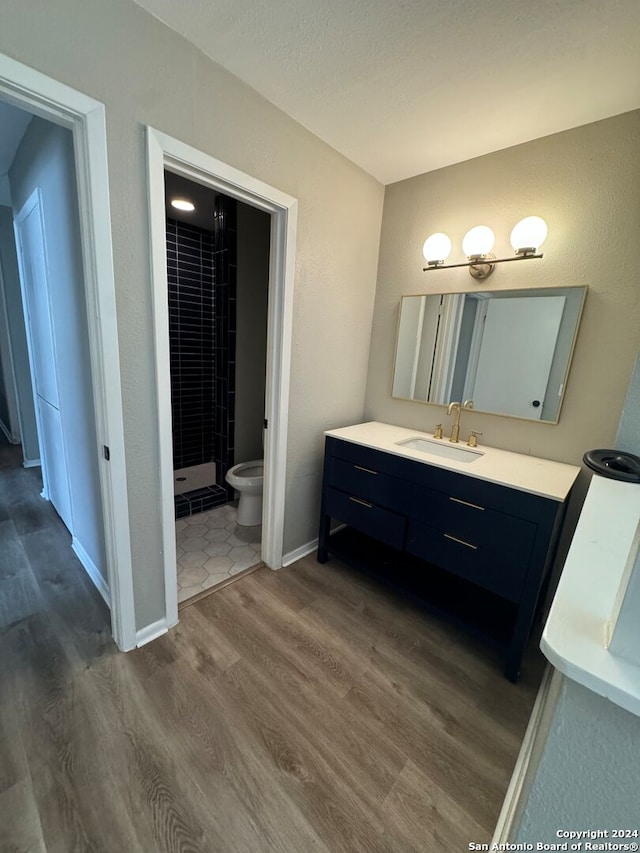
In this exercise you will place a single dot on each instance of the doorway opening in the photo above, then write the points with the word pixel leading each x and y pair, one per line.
pixel 68 115
pixel 218 279
pixel 171 155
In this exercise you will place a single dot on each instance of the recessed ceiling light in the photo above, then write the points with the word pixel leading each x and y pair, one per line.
pixel 182 204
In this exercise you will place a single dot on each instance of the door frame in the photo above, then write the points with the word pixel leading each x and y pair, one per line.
pixel 85 117
pixel 164 151
pixel 474 349
pixel 447 339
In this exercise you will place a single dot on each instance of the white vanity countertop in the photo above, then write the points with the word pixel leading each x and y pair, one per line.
pixel 516 470
pixel 575 634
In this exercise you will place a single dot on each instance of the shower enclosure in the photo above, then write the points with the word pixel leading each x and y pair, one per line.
pixel 201 271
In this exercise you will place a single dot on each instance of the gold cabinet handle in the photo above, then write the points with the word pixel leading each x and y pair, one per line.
pixel 460 541
pixel 361 502
pixel 466 503
pixel 366 470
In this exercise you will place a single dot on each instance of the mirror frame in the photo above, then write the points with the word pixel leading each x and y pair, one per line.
pixel 524 291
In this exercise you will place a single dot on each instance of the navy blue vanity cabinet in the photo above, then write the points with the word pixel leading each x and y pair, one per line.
pixel 418 527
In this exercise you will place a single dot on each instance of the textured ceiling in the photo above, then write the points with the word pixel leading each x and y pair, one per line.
pixel 406 86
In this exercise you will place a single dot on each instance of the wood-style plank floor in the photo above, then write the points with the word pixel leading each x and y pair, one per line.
pixel 301 710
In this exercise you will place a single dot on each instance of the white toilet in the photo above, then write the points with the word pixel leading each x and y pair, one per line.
pixel 246 478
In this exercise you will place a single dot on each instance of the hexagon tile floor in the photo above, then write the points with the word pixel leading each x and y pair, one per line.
pixel 211 547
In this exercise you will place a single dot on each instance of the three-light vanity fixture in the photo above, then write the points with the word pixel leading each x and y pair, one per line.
pixel 526 238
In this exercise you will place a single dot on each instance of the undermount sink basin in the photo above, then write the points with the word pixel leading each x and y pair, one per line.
pixel 437 448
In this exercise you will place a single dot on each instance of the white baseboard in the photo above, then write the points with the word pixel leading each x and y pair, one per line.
pixel 151 632
pixel 305 550
pixel 92 570
pixel 529 756
pixel 299 553
pixel 31 463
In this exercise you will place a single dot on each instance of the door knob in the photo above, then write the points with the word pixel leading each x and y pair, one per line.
pixel 536 404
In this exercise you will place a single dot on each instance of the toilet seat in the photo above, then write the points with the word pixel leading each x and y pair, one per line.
pixel 247 479
pixel 247 470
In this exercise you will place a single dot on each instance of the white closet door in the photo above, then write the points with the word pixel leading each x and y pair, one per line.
pixel 517 350
pixel 36 296
pixel 36 284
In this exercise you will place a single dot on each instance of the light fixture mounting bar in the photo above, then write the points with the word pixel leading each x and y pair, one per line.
pixel 477 261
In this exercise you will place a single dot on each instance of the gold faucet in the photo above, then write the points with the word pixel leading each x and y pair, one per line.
pixel 455 429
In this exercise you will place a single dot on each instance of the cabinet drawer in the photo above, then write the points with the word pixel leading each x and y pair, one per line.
pixel 382 524
pixel 367 483
pixel 367 457
pixel 484 527
pixel 490 495
pixel 494 569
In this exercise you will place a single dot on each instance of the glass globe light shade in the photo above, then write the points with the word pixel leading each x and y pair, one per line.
pixel 478 241
pixel 437 248
pixel 529 233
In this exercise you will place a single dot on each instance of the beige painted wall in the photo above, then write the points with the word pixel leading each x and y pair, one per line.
pixel 146 74
pixel 252 283
pixel 586 184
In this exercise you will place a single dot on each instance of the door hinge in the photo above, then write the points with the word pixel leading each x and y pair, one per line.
pixel 106 452
pixel 266 424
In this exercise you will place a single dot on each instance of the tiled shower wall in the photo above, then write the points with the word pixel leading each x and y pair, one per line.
pixel 202 349
pixel 191 338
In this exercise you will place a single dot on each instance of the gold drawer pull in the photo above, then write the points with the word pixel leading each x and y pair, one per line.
pixel 466 503
pixel 361 502
pixel 366 470
pixel 461 541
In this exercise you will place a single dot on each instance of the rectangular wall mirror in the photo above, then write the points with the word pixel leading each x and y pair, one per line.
pixel 509 351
